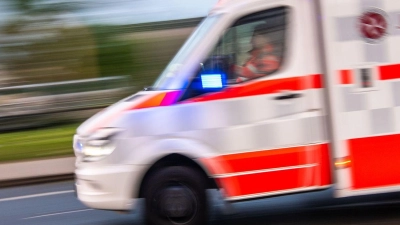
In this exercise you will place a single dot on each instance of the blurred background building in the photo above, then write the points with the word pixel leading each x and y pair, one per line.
pixel 98 44
pixel 62 61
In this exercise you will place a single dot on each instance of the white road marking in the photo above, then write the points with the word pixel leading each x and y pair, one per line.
pixel 35 196
pixel 54 214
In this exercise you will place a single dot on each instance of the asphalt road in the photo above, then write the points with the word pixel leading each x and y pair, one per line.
pixel 55 204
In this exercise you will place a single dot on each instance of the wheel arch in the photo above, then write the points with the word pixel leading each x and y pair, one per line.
pixel 176 159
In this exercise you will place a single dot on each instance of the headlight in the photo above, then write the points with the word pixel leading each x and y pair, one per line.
pixel 97 146
pixel 94 149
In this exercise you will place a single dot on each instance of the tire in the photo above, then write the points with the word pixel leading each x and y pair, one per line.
pixel 176 195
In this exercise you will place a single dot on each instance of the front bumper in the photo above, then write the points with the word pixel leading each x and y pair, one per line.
pixel 108 187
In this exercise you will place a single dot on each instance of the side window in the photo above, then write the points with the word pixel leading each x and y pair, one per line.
pixel 252 47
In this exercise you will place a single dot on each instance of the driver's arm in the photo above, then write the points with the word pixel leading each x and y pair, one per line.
pixel 260 67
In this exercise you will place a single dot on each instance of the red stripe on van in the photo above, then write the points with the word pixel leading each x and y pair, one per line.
pixel 375 161
pixel 345 77
pixel 389 72
pixel 286 176
pixel 265 159
pixel 264 87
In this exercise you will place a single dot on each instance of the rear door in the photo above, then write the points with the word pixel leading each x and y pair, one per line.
pixel 362 45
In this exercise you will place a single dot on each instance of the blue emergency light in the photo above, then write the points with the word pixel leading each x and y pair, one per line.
pixel 212 81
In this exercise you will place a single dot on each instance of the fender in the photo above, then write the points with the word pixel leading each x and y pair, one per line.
pixel 153 150
pixel 148 153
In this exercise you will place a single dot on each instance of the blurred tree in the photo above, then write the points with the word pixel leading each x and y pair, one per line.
pixel 43 42
pixel 115 56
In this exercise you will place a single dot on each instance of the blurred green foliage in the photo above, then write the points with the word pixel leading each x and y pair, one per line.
pixel 37 143
pixel 137 51
pixel 44 6
pixel 39 45
pixel 115 57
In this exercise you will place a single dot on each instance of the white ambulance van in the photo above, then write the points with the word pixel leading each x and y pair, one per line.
pixel 267 97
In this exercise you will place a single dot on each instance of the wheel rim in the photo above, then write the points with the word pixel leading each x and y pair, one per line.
pixel 175 202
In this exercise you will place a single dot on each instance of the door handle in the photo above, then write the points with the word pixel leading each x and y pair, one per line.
pixel 288 96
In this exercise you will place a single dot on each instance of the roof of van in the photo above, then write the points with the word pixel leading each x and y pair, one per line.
pixel 227 4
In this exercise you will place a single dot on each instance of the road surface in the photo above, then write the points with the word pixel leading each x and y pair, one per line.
pixel 55 204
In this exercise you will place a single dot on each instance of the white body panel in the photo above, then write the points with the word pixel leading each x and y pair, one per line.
pixel 258 124
pixel 204 130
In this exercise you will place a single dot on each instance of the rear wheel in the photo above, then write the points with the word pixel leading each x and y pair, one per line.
pixel 176 195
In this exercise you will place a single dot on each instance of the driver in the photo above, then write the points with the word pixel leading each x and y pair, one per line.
pixel 262 61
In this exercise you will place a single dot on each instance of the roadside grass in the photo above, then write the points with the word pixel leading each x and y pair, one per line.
pixel 37 143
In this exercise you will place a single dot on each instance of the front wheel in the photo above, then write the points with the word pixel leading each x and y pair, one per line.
pixel 176 195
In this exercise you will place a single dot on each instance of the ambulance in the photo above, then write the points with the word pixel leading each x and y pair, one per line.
pixel 320 110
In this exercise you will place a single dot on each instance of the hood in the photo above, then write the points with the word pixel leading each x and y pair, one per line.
pixel 141 100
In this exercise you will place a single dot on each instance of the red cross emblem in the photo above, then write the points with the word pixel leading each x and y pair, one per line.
pixel 373 25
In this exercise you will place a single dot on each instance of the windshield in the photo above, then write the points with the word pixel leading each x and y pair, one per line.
pixel 169 79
